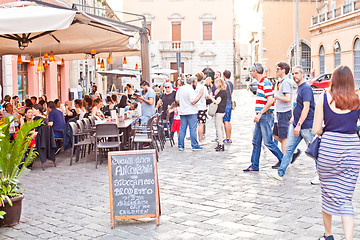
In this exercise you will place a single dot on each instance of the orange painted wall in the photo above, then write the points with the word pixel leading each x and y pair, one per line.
pixel 279 26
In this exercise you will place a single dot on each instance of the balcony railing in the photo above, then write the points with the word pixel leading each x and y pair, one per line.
pixel 335 13
pixel 177 46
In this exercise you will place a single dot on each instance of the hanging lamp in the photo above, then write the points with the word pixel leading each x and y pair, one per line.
pixel 124 61
pixel 62 62
pixel 46 55
pixel 102 64
pixel 40 67
pixel 136 67
pixel 32 61
pixel 19 59
pixel 51 58
pixel 98 61
pixel 110 59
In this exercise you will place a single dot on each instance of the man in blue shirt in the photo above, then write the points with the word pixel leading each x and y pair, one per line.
pixel 147 102
pixel 303 116
pixel 56 120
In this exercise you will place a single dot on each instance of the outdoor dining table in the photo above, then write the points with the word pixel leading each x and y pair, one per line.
pixel 125 128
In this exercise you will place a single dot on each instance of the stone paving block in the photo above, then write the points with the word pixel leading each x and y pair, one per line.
pixel 221 236
pixel 48 235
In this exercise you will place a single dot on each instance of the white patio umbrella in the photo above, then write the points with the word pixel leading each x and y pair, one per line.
pixel 27 28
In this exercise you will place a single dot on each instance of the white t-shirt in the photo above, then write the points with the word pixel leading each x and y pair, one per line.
pixel 201 104
pixel 186 95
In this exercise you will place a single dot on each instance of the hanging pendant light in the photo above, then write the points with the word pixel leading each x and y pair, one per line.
pixel 46 64
pixel 32 61
pixel 102 64
pixel 124 61
pixel 93 52
pixel 19 59
pixel 46 55
pixel 62 62
pixel 98 61
pixel 40 67
pixel 136 67
pixel 110 59
pixel 51 58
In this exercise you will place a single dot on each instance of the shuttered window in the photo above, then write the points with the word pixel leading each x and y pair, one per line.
pixel 207 31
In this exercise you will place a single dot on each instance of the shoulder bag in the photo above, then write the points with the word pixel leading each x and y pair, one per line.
pixel 313 148
pixel 212 109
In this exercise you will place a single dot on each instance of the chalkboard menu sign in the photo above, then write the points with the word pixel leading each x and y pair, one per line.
pixel 133 185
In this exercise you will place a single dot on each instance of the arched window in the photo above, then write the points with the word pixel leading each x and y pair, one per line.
pixel 357 62
pixel 305 57
pixel 322 60
pixel 337 54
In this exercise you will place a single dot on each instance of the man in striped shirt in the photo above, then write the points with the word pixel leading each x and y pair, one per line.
pixel 264 119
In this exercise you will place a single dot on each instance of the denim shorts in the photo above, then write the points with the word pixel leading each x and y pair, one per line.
pixel 281 128
pixel 228 110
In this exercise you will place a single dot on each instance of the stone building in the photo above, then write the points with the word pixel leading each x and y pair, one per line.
pixel 201 31
pixel 335 37
pixel 275 39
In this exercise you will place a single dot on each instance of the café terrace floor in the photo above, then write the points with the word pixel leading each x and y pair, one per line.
pixel 204 195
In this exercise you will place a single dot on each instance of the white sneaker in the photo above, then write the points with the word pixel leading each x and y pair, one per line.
pixel 202 143
pixel 274 174
pixel 181 149
pixel 316 180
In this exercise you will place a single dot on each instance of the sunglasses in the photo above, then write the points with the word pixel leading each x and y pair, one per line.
pixel 167 87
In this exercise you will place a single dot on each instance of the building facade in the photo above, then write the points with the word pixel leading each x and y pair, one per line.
pixel 201 32
pixel 275 39
pixel 335 37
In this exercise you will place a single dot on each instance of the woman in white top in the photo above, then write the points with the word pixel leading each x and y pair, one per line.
pixel 79 108
pixel 96 109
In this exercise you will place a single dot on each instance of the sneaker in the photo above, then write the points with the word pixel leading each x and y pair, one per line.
pixel 276 166
pixel 204 136
pixel 188 138
pixel 276 176
pixel 197 148
pixel 227 141
pixel 331 237
pixel 214 140
pixel 57 151
pixel 315 181
pixel 251 169
pixel 202 143
pixel 181 149
pixel 295 156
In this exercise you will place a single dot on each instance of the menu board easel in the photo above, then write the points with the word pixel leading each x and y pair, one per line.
pixel 133 185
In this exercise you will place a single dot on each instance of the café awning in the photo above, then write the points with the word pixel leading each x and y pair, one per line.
pixel 28 28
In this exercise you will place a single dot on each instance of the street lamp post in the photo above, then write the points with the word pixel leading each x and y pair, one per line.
pixel 297 34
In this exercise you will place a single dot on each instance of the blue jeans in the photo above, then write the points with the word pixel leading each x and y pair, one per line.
pixel 263 131
pixel 293 142
pixel 185 121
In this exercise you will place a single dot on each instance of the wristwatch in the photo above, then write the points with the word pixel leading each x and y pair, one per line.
pixel 299 123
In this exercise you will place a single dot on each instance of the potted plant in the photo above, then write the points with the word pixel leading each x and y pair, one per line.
pixel 13 164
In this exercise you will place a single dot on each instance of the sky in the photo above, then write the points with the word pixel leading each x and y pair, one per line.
pixel 244 10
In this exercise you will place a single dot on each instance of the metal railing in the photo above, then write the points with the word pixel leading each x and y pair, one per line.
pixel 335 13
pixel 178 46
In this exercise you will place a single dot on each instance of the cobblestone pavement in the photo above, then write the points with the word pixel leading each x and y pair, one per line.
pixel 204 195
